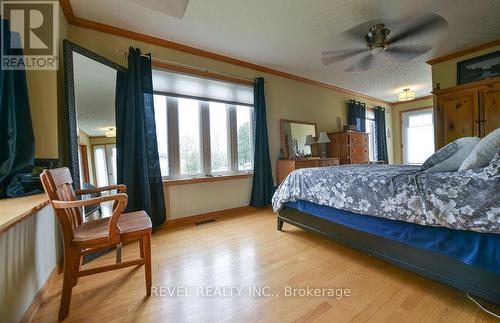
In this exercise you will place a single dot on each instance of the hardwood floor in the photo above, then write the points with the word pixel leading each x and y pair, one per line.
pixel 247 250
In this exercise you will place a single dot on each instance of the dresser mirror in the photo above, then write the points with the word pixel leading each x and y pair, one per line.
pixel 297 138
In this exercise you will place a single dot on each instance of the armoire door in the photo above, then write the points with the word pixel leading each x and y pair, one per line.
pixel 490 110
pixel 460 115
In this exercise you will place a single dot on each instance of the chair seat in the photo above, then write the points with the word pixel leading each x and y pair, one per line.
pixel 96 231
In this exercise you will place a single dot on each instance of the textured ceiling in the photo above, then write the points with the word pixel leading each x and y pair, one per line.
pixel 289 35
pixel 95 87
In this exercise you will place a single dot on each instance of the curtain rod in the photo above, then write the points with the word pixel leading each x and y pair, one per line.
pixel 201 69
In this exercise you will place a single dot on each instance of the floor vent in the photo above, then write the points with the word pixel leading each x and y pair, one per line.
pixel 205 222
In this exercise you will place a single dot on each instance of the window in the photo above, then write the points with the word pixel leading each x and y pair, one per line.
pixel 244 133
pixel 105 164
pixel 161 131
pixel 189 136
pixel 418 136
pixel 202 136
pixel 219 135
pixel 370 129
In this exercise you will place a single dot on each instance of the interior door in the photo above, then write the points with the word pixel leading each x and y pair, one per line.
pixel 490 112
pixel 460 115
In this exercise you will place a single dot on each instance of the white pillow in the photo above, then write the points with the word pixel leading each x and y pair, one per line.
pixel 447 151
pixel 453 163
pixel 484 151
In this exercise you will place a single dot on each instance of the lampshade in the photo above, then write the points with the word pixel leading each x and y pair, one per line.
pixel 406 95
pixel 309 140
pixel 111 132
pixel 323 138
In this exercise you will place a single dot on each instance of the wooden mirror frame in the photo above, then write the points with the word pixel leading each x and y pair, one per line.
pixel 70 136
pixel 282 135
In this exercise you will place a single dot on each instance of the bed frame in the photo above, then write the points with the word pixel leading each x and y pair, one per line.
pixel 447 270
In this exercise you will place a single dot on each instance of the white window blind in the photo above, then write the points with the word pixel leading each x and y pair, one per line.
pixel 198 87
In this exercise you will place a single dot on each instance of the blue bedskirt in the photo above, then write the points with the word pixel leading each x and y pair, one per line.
pixel 472 248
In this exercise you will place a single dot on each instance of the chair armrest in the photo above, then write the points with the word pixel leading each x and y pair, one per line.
pixel 119 205
pixel 92 201
pixel 121 189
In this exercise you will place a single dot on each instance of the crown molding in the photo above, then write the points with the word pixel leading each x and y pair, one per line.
pixel 417 99
pixel 463 52
pixel 88 24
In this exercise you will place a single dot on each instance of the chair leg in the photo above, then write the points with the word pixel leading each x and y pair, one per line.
pixel 146 246
pixel 68 283
pixel 118 253
pixel 77 266
pixel 141 248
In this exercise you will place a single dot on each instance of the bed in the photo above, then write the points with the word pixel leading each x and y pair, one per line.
pixel 445 226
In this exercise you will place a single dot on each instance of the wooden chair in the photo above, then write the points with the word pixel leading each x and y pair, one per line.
pixel 84 238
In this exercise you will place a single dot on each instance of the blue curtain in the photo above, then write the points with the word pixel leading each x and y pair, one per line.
pixel 263 185
pixel 17 141
pixel 138 164
pixel 356 114
pixel 380 134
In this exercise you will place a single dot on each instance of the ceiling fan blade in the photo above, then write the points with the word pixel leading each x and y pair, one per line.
pixel 332 56
pixel 420 26
pixel 407 53
pixel 363 64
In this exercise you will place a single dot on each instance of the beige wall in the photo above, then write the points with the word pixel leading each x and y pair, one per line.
pixel 445 73
pixel 396 124
pixel 286 99
pixel 44 94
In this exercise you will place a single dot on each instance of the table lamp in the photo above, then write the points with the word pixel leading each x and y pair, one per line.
pixel 323 139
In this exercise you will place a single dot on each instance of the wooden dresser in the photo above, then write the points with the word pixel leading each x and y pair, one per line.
pixel 467 110
pixel 286 166
pixel 349 147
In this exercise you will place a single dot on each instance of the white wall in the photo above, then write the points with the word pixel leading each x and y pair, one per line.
pixel 199 198
pixel 28 254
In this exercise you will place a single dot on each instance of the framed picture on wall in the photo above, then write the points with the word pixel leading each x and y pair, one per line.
pixel 478 68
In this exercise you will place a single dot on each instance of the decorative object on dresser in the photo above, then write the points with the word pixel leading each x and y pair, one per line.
pixel 470 110
pixel 285 166
pixel 323 139
pixel 349 147
pixel 298 139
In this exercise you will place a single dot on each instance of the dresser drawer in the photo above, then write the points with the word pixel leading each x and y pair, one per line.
pixel 326 163
pixel 358 155
pixel 358 139
pixel 306 164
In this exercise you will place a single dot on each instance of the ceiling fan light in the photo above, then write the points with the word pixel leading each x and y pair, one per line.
pixel 111 132
pixel 407 95
pixel 376 50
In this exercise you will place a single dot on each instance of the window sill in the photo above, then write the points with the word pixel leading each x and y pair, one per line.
pixel 15 210
pixel 194 180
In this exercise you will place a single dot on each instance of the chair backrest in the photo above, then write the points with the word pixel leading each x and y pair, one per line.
pixel 58 186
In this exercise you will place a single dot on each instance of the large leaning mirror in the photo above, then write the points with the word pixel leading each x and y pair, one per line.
pixel 296 138
pixel 91 96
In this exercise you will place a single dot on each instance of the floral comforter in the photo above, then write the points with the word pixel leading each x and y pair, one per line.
pixel 466 200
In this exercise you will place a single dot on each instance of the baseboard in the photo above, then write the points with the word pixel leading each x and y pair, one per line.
pixel 207 216
pixel 39 297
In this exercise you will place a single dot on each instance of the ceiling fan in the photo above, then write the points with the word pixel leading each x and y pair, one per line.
pixel 377 41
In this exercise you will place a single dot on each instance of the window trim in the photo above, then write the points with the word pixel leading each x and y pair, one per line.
pixel 172 114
